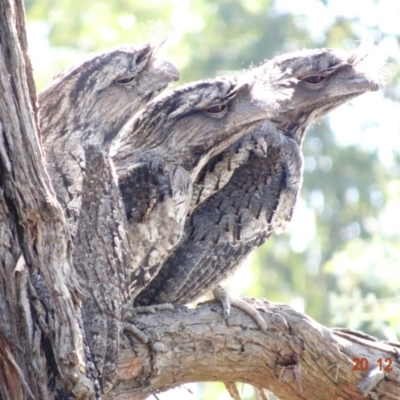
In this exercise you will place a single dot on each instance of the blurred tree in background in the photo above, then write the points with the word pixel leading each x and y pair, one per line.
pixel 339 260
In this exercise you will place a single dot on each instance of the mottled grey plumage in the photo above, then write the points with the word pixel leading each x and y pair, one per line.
pixel 88 104
pixel 80 113
pixel 160 156
pixel 248 192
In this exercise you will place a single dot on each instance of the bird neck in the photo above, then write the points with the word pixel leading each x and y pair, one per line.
pixel 294 125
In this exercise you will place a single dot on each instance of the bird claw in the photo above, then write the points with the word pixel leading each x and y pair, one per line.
pixel 224 298
pixel 227 301
pixel 135 331
pixel 131 311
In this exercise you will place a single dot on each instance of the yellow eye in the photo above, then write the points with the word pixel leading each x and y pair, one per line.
pixel 216 109
pixel 314 79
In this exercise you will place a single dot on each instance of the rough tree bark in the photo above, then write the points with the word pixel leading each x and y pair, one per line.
pixel 39 294
pixel 296 358
pixel 40 340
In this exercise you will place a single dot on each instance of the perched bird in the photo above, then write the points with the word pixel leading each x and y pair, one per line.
pixel 247 192
pixel 80 113
pixel 89 103
pixel 162 152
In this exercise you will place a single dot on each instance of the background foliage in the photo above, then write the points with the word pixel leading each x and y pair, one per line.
pixel 339 260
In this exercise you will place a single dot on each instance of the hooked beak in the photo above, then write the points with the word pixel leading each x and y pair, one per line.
pixel 159 75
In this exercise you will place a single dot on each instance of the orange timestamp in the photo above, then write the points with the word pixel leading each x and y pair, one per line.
pixel 362 364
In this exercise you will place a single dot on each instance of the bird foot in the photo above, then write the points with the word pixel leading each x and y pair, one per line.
pixel 224 298
pixel 131 311
pixel 132 329
pixel 227 301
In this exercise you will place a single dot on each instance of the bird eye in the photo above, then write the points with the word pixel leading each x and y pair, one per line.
pixel 126 80
pixel 218 109
pixel 314 79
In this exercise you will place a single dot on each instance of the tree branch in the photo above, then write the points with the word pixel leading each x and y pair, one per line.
pixel 296 358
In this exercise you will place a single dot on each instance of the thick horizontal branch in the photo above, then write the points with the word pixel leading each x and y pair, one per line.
pixel 297 358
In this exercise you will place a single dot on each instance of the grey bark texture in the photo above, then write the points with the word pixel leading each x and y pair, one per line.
pixel 39 291
pixel 63 282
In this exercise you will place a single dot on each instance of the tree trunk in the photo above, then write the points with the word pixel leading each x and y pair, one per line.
pixel 39 294
pixel 41 345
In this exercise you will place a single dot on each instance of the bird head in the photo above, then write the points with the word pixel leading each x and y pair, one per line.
pixel 194 122
pixel 306 85
pixel 94 99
